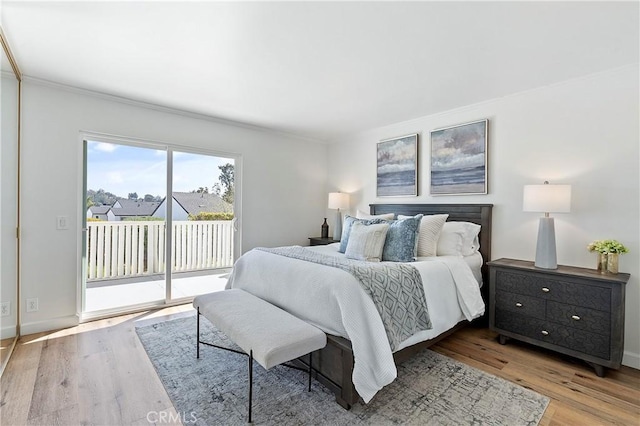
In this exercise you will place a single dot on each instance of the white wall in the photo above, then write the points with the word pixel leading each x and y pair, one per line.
pixel 283 184
pixel 8 198
pixel 583 132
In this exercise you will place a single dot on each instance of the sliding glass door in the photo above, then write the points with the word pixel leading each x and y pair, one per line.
pixel 143 247
pixel 203 223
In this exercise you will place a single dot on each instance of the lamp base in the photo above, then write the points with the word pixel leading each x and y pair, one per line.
pixel 337 227
pixel 546 247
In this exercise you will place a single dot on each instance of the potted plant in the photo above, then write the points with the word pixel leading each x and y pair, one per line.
pixel 608 253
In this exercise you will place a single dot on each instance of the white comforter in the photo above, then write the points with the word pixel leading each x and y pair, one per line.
pixel 333 300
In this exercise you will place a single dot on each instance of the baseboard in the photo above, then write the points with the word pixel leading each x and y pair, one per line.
pixel 7 332
pixel 631 359
pixel 49 325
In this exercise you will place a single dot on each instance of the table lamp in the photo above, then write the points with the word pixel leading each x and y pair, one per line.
pixel 338 200
pixel 546 199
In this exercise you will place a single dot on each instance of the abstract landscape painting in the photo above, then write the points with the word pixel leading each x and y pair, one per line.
pixel 398 167
pixel 459 159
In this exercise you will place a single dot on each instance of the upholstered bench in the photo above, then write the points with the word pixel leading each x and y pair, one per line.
pixel 265 332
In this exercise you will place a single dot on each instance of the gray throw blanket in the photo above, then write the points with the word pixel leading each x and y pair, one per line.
pixel 395 288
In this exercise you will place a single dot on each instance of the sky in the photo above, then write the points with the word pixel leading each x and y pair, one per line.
pixel 122 169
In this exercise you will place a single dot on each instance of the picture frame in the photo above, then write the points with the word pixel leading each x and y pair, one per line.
pixel 459 159
pixel 397 167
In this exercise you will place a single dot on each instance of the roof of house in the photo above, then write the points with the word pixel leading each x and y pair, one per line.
pixel 194 203
pixel 99 209
pixel 135 208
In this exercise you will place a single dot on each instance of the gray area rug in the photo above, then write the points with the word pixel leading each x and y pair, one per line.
pixel 431 389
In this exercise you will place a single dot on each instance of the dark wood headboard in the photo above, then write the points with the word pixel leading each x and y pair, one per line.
pixel 475 213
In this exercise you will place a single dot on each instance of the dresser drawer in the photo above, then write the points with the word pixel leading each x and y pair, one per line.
pixel 520 324
pixel 520 304
pixel 579 317
pixel 579 340
pixel 582 341
pixel 546 287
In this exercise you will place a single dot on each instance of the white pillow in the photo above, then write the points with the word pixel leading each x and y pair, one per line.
pixel 430 228
pixel 362 215
pixel 458 239
pixel 366 242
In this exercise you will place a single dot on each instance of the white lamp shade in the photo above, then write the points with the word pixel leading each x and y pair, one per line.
pixel 338 200
pixel 547 198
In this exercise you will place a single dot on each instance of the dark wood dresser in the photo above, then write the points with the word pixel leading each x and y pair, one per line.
pixel 575 311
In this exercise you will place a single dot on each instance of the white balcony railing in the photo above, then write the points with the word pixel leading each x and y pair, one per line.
pixel 128 249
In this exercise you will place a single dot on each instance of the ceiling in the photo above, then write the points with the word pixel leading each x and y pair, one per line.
pixel 321 70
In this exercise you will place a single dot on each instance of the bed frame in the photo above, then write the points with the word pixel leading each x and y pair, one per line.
pixel 334 364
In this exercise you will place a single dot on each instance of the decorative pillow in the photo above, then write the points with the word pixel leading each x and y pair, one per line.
pixel 362 215
pixel 430 228
pixel 346 229
pixel 402 240
pixel 449 243
pixel 458 239
pixel 470 243
pixel 367 241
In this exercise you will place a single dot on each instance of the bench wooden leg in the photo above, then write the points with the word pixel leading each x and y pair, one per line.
pixel 250 382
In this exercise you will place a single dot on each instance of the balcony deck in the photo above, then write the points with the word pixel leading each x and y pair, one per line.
pixel 119 292
pixel 126 262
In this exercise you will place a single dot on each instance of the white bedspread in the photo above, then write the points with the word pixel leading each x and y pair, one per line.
pixel 333 300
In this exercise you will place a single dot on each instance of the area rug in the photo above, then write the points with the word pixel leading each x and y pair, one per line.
pixel 431 389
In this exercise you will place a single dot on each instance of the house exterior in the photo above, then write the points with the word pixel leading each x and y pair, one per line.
pixel 192 203
pixel 184 204
pixel 123 209
pixel 98 212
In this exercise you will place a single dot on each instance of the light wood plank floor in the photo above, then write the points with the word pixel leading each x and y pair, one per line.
pixel 98 373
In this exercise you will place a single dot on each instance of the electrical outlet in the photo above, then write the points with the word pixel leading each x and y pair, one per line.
pixel 5 309
pixel 32 304
pixel 62 222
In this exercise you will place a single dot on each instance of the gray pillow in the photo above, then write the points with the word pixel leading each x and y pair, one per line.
pixel 401 244
pixel 366 241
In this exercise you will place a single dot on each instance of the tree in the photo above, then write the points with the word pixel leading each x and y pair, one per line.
pixel 133 196
pixel 215 189
pixel 226 179
pixel 101 197
pixel 200 190
pixel 149 197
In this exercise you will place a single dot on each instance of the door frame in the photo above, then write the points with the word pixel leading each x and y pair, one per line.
pixel 169 148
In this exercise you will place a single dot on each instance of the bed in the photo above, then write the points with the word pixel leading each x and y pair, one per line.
pixel 326 297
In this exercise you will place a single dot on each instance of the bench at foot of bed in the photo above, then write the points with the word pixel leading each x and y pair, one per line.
pixel 265 332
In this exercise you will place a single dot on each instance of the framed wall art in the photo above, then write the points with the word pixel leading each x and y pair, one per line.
pixel 459 159
pixel 397 171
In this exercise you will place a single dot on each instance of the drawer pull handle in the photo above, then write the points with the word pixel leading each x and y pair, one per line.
pixel 575 317
pixel 545 333
pixel 519 305
pixel 545 289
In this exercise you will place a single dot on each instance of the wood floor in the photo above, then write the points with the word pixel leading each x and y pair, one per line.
pixel 5 348
pixel 98 373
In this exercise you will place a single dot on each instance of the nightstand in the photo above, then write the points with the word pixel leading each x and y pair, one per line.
pixel 574 311
pixel 319 241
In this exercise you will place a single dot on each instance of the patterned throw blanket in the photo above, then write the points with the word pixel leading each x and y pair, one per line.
pixel 395 288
